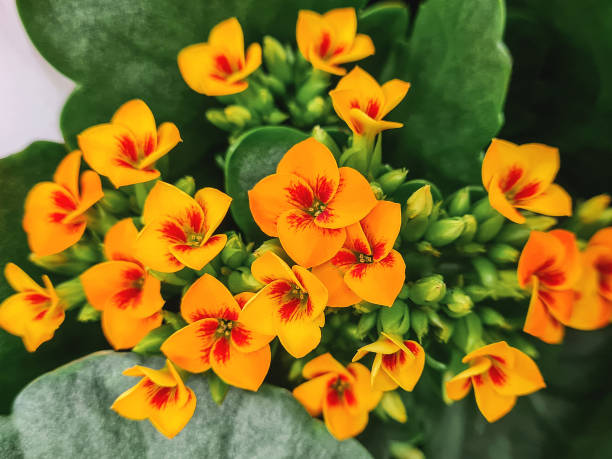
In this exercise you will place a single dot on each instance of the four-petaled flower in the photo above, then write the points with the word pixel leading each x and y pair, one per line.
pixel 309 202
pixel 54 216
pixel 218 67
pixel 291 304
pixel 160 396
pixel 331 39
pixel 550 265
pixel 397 362
pixel 217 338
pixel 521 177
pixel 499 374
pixel 126 149
pixel 367 267
pixel 128 296
pixel 34 312
pixel 362 103
pixel 179 229
pixel 343 395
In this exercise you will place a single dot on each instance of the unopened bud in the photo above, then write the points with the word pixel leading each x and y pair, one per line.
pixel 490 228
pixel 323 137
pixel 503 253
pixel 365 324
pixel 186 184
pixel 514 234
pixel 414 229
pixel 482 210
pixel 237 115
pixel 60 263
pixel 276 59
pixel 391 180
pixel 316 107
pixel 427 290
pixel 89 314
pixel 152 342
pixel 590 211
pixel 295 370
pixel 234 253
pixel 218 388
pixel 393 406
pixel 493 318
pixel 70 293
pixel 419 323
pixel 540 222
pixel 486 270
pixel 377 190
pixel 405 450
pixel 173 319
pixel 477 292
pixel 404 292
pixel 445 231
pixel 396 319
pixel 276 117
pixel 459 203
pixel 469 229
pixel 219 119
pixel 115 202
pixel 458 301
pixel 419 203
pixel 443 327
pixel 242 280
pixel 274 246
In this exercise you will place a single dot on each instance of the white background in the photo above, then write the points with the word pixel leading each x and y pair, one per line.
pixel 32 92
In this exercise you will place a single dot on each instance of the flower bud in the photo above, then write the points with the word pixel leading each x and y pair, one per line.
pixel 60 263
pixel 276 117
pixel 477 292
pixel 242 280
pixel 274 246
pixel 219 119
pixel 174 319
pixel 364 307
pixel 237 115
pixel 365 324
pixel 404 292
pixel 513 234
pixel 486 270
pixel 393 406
pixel 605 219
pixel 469 230
pixel 503 253
pixel 323 137
pixel 391 180
pixel 482 210
pixel 377 189
pixel 458 302
pixel 468 333
pixel 218 388
pixel 419 323
pixel 276 86
pixel 70 293
pixel 414 229
pixel 590 211
pixel 445 231
pixel 152 342
pixel 315 107
pixel 419 203
pixel 472 248
pixel 405 450
pixel 427 290
pixel 186 184
pixel 276 59
pixel 234 253
pixel 115 202
pixel 443 327
pixel 493 318
pixel 295 370
pixel 540 222
pixel 396 319
pixel 490 228
pixel 89 314
pixel 459 203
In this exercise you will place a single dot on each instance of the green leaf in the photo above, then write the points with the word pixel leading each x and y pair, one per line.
pixel 459 71
pixel 252 157
pixel 19 173
pixel 66 412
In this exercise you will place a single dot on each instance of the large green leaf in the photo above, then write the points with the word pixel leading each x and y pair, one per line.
pixel 117 50
pixel 18 173
pixel 252 157
pixel 66 413
pixel 459 70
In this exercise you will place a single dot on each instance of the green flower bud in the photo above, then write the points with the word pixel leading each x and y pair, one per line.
pixel 115 202
pixel 100 221
pixel 89 314
pixel 86 251
pixel 459 203
pixel 514 234
pixel 234 253
pixel 472 248
pixel 482 210
pixel 590 211
pixel 443 327
pixel 219 119
pixel 60 263
pixel 489 228
pixel 393 406
pixel 169 278
pixel 405 450
pixel 414 229
pixel 391 180
pixel 458 301
pixel 276 59
pixel 427 290
pixel 469 230
pixel 468 333
pixel 152 342
pixel 218 388
pixel 503 253
pixel 419 203
pixel 419 323
pixel 70 293
pixel 540 222
pixel 315 85
pixel 364 307
pixel 404 292
pixel 493 318
pixel 365 324
pixel 276 117
pixel 322 136
pixel 242 280
pixel 276 86
pixel 426 248
pixel 396 319
pixel 186 184
pixel 295 370
pixel 486 270
pixel 377 189
pixel 445 231
pixel 237 115
pixel 477 292
pixel 173 319
pixel 274 246
pixel 605 219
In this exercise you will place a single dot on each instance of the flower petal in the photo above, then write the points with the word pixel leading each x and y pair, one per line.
pixel 252 63
pixel 133 403
pixel 343 22
pixel 540 322
pixel 317 293
pixel 243 370
pixel 500 203
pixel 339 294
pixel 228 35
pixel 42 328
pixel 67 172
pixel 367 397
pixel 165 200
pixel 491 403
pixel 246 340
pixel 405 368
pixel 208 297
pixel 138 118
pixel 378 282
pixel 19 280
pixel 258 314
pixel 168 136
pixel 503 163
pixel 18 311
pixel 124 331
pixel 198 257
pixel 394 90
pixel 380 380
pixel 553 201
pixel 174 417
pixel 120 241
pixel 153 247
pixel 308 30
pixel 362 47
pixel 111 284
pixel 363 124
pixel 321 365
pixel 381 227
pixel 500 351
pixel 459 386
pixel 381 346
pixel 311 393
pixel 190 346
pixel 215 205
pixel 299 337
pixel 270 267
pixel 340 421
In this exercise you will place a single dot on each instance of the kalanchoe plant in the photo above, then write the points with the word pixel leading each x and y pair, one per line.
pixel 336 257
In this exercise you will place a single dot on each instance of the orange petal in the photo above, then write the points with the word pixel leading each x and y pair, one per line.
pixel 260 311
pixel 138 118
pixel 365 87
pixel 120 241
pixel 502 158
pixel 602 237
pixel 356 241
pixel 343 22
pixel 228 35
pixel 252 63
pixel 380 380
pixel 67 172
pixel 91 192
pixel 246 340
pixel 394 90
pixel 198 257
pixel 270 267
pixel 308 30
pixel 299 337
pixel 367 396
pixel 174 417
pixel 365 125
pixel 153 247
pixel 381 227
pixel 321 365
pixel 459 386
pixel 378 282
pixel 19 280
pixel 553 201
pixel 339 294
pixel 111 284
pixel 276 194
pixel 123 331
pixel 405 367
pixel 362 47
pixel 133 403
pixel 165 201
pixel 208 297
pixel 543 162
pixel 491 403
pixel 500 351
pixel 317 293
pixel 168 136
pixel 353 200
pixel 341 422
pixel 381 346
pixel 540 322
pixel 500 203
pixel 305 242
pixel 243 298
pixel 215 205
pixel 190 346
pixel 246 371
pixel 311 393
pixel 522 379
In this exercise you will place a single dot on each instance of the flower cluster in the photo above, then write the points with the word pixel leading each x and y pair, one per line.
pixel 360 264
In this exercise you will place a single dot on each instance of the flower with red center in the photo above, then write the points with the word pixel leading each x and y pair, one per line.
pixel 179 229
pixel 499 374
pixel 219 67
pixel 362 103
pixel 126 149
pixel 343 395
pixel 309 202
pixel 216 338
pixel 593 290
pixel 34 312
pixel 55 216
pixel 397 362
pixel 550 265
pixel 290 306
pixel 521 177
pixel 128 296
pixel 331 39
pixel 160 396
pixel 367 267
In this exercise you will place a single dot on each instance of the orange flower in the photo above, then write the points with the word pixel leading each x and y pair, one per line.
pixel 219 68
pixel 55 211
pixel 521 177
pixel 367 267
pixel 160 396
pixel 128 296
pixel 126 149
pixel 362 103
pixel 34 312
pixel 291 304
pixel 217 338
pixel 549 264
pixel 331 39
pixel 309 201
pixel 593 296
pixel 499 373
pixel 179 229
pixel 343 395
pixel 401 362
